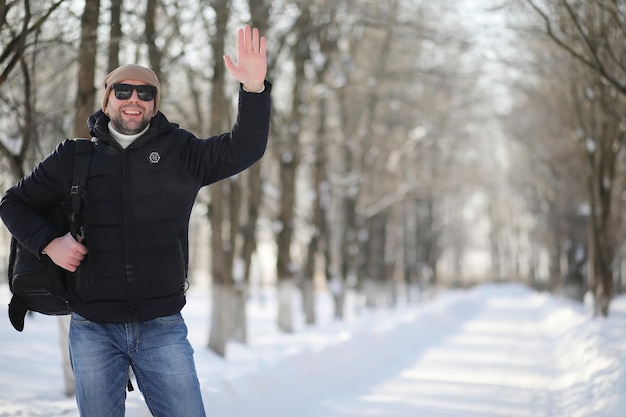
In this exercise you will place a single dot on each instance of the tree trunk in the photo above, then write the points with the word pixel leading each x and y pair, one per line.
pixel 85 97
pixel 289 155
pixel 601 247
pixel 222 247
pixel 600 173
pixel 68 376
pixel 151 33
pixel 576 254
pixel 249 245
pixel 319 220
pixel 284 268
pixel 115 34
pixel 348 243
pixel 240 287
pixel 347 230
pixel 259 11
pixel 222 287
pixel 84 106
pixel 220 317
pixel 372 265
pixel 239 311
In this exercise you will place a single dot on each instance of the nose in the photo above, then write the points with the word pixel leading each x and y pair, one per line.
pixel 134 96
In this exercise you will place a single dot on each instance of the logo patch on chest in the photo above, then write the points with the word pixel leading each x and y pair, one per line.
pixel 154 157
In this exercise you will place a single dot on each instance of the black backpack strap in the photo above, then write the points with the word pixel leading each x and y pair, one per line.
pixel 82 161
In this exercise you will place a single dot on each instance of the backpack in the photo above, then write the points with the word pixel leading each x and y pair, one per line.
pixel 38 284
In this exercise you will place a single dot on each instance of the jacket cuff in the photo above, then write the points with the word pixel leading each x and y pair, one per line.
pixel 266 87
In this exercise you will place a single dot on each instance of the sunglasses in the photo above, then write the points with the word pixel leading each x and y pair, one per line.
pixel 124 91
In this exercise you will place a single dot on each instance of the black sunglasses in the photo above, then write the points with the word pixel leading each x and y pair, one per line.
pixel 124 91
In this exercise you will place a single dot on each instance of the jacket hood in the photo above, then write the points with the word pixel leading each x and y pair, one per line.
pixel 98 124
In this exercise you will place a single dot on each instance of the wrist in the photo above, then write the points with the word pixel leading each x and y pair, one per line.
pixel 253 88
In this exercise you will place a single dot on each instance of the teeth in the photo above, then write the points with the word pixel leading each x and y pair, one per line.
pixel 131 112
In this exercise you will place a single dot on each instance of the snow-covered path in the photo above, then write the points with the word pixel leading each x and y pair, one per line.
pixel 495 350
pixel 499 361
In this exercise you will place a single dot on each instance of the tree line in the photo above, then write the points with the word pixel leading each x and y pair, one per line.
pixel 573 136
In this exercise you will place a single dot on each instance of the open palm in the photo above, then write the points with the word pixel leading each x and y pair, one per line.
pixel 251 66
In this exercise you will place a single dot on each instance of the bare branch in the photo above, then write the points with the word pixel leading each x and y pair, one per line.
pixel 594 61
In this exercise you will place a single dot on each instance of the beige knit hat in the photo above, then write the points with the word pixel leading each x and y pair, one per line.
pixel 131 72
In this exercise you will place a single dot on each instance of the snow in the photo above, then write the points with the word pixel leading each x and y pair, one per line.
pixel 495 350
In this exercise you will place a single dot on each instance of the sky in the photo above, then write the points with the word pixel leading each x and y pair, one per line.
pixel 494 350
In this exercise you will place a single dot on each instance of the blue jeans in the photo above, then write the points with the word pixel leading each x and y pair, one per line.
pixel 159 354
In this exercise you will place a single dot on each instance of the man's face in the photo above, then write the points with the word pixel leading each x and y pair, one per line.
pixel 131 115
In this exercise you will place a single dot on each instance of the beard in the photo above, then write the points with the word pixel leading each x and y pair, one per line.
pixel 127 124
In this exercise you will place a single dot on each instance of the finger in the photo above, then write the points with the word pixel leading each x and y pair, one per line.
pixel 69 264
pixel 247 38
pixel 241 46
pixel 78 249
pixel 76 260
pixel 255 40
pixel 262 46
pixel 82 249
pixel 230 66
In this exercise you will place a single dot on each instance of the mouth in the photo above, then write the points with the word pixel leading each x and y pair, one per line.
pixel 132 112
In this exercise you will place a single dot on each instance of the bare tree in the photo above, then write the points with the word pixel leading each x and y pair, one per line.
pixel 289 158
pixel 20 24
pixel 223 228
pixel 260 14
pixel 18 31
pixel 601 137
pixel 593 34
pixel 546 173
pixel 325 43
pixel 372 233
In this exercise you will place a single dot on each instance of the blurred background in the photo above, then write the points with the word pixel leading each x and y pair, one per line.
pixel 415 145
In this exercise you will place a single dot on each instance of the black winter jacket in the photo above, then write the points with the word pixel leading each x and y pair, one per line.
pixel 139 200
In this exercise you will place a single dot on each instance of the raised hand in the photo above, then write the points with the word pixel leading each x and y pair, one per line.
pixel 251 66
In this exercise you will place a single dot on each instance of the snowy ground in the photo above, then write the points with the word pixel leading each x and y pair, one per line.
pixel 496 350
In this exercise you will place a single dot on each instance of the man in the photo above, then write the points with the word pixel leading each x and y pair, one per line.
pixel 131 262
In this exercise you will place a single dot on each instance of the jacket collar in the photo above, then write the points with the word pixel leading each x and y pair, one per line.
pixel 99 127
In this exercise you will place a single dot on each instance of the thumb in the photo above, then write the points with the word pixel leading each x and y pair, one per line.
pixel 230 66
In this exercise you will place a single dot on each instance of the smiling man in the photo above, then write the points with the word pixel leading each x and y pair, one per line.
pixel 130 265
pixel 134 101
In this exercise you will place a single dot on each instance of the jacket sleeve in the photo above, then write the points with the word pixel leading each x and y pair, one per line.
pixel 48 184
pixel 224 155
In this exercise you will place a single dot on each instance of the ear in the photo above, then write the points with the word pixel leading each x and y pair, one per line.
pixel 105 107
